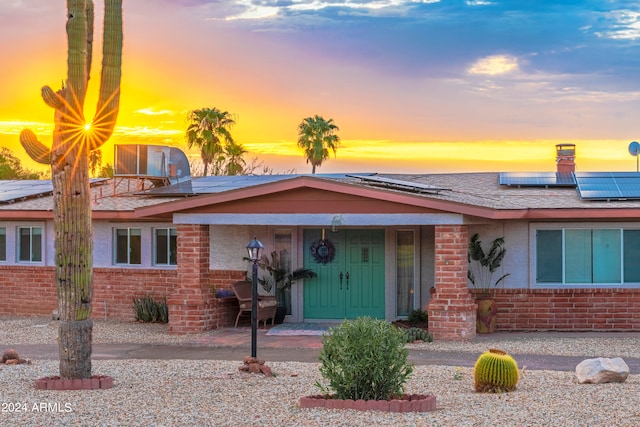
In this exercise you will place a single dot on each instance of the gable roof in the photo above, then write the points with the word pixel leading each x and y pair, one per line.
pixel 472 194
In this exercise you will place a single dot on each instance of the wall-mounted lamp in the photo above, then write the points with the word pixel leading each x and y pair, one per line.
pixel 335 222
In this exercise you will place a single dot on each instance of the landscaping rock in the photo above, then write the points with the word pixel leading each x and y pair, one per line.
pixel 602 370
pixel 10 357
pixel 255 366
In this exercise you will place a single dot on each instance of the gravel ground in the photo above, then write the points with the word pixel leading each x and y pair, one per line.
pixel 214 393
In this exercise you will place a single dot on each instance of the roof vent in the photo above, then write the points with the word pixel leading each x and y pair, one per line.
pixel 565 158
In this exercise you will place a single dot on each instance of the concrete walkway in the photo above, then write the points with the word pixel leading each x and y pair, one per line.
pixel 234 344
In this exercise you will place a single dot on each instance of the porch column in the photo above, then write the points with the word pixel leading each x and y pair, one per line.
pixel 187 302
pixel 452 309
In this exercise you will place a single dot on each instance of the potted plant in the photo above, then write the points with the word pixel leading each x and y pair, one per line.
pixel 280 279
pixel 482 266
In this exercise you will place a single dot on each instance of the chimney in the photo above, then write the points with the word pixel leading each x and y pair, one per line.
pixel 565 156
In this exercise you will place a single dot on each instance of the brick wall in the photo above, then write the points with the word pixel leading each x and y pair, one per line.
pixel 27 291
pixel 118 286
pixel 452 309
pixel 31 291
pixel 568 309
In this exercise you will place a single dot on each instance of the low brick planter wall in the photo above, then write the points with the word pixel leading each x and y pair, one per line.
pixel 57 383
pixel 407 403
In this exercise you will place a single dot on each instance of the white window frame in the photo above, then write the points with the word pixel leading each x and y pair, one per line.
pixel 115 245
pixel 155 246
pixel 533 228
pixel 3 232
pixel 19 242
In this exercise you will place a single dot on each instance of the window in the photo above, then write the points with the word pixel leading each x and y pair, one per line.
pixel 29 244
pixel 405 278
pixel 3 244
pixel 283 244
pixel 587 256
pixel 127 245
pixel 165 246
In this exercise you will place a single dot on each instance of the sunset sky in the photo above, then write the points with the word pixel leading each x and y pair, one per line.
pixel 415 86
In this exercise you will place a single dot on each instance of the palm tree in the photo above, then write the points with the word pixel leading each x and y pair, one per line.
pixel 316 136
pixel 208 129
pixel 95 162
pixel 235 163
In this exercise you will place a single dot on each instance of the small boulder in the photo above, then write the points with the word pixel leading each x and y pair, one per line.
pixel 10 357
pixel 602 370
pixel 10 354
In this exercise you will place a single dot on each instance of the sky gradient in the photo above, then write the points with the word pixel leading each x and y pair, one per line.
pixel 417 87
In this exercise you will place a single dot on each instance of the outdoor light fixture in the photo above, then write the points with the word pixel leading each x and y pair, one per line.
pixel 254 248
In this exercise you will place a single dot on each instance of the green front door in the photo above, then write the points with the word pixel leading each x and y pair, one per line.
pixel 352 283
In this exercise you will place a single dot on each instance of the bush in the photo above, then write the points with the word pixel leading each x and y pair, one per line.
pixel 147 309
pixel 418 316
pixel 364 359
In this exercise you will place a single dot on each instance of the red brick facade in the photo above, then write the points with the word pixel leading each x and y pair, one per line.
pixel 568 309
pixel 30 290
pixel 193 307
pixel 452 310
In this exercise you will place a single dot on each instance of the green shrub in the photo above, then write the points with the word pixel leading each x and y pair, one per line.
pixel 418 316
pixel 364 359
pixel 416 334
pixel 147 309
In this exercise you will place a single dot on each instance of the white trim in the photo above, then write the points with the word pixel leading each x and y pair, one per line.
pixel 319 220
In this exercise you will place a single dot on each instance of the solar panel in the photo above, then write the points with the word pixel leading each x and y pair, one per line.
pixel 399 184
pixel 11 191
pixel 537 179
pixel 219 184
pixel 608 185
pixel 15 190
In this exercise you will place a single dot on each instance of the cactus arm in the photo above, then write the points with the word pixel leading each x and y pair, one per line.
pixel 51 98
pixel 34 148
pixel 77 76
pixel 90 19
pixel 109 97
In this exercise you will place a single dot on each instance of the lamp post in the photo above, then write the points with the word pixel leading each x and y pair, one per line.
pixel 254 247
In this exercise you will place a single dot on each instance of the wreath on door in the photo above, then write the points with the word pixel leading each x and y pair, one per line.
pixel 323 251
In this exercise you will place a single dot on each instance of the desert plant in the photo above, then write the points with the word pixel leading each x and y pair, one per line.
pixel 416 334
pixel 483 265
pixel 280 276
pixel 418 316
pixel 73 138
pixel 364 359
pixel 495 372
pixel 147 309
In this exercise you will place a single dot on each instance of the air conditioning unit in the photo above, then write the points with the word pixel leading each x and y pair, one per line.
pixel 151 162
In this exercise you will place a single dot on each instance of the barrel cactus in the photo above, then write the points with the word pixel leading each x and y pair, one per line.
pixel 495 372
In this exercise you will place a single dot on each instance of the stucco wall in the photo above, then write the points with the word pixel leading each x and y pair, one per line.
pixel 516 242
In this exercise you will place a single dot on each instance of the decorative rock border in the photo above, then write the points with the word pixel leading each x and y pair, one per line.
pixel 57 383
pixel 407 403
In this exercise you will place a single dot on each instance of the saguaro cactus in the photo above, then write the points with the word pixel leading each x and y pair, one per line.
pixel 73 139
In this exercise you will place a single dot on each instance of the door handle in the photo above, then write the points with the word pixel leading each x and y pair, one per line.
pixel 347 280
pixel 340 276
